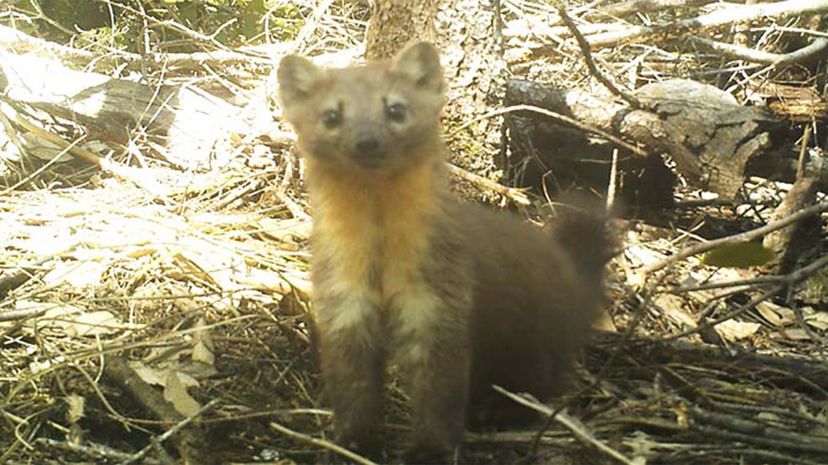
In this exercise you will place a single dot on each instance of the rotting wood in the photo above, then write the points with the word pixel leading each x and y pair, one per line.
pixel 715 142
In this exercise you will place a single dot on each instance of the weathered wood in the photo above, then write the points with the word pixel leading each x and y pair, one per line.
pixel 184 123
pixel 709 136
pixel 730 15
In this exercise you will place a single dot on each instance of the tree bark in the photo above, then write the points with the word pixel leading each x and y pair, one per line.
pixel 395 23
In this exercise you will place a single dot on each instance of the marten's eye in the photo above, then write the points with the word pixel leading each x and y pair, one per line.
pixel 396 112
pixel 332 118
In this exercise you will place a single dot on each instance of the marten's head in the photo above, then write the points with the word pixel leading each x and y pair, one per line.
pixel 382 116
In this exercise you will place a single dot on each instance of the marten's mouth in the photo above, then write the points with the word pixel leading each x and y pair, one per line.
pixel 369 160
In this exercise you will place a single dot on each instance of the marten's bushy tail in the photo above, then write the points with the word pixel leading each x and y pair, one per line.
pixel 581 227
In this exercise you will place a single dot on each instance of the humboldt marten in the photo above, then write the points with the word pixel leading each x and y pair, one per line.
pixel 458 296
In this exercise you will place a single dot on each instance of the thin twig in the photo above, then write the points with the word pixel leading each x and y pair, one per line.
pixel 736 238
pixel 514 194
pixel 803 151
pixel 817 47
pixel 322 443
pixel 570 423
pixel 788 281
pixel 731 15
pixel 310 26
pixel 556 116
pixel 735 283
pixel 170 432
pixel 587 53
pixel 732 314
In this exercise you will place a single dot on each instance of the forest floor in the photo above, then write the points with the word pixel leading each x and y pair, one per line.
pixel 154 306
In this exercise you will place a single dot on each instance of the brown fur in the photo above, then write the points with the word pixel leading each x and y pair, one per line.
pixel 460 297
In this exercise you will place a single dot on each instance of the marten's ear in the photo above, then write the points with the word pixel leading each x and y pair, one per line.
pixel 420 63
pixel 296 77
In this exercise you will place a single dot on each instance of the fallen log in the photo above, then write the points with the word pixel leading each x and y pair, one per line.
pixel 714 142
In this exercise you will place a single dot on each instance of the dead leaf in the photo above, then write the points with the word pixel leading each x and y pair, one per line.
pixel 672 306
pixel 195 370
pixel 159 376
pixel 176 394
pixel 147 374
pixel 796 334
pixel 203 348
pixel 818 320
pixel 732 330
pixel 776 315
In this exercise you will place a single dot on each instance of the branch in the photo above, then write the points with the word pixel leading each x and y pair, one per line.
pixel 322 443
pixel 815 48
pixel 587 53
pixel 514 194
pixel 715 19
pixel 741 237
pixel 18 42
pixel 622 9
pixel 558 117
pixel 570 423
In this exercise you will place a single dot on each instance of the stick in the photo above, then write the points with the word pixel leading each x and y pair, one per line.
pixel 718 18
pixel 613 182
pixel 593 69
pixel 556 116
pixel 803 151
pixel 741 237
pixel 815 48
pixel 322 443
pixel 622 9
pixel 570 423
pixel 514 194
pixel 789 280
pixel 156 441
pixel 90 449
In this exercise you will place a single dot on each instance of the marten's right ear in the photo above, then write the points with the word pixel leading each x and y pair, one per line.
pixel 420 63
pixel 296 78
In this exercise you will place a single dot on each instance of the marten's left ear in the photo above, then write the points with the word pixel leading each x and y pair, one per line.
pixel 420 63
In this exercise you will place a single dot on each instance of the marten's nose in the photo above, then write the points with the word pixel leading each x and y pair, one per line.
pixel 367 145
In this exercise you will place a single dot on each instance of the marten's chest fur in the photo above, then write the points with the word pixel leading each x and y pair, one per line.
pixel 371 234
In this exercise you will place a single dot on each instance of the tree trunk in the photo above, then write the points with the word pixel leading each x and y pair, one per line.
pixel 394 23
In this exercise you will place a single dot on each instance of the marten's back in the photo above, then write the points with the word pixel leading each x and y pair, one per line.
pixel 536 296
